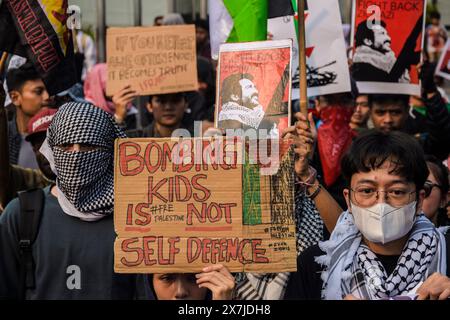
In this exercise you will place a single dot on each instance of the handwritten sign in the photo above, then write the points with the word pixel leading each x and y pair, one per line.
pixel 153 60
pixel 183 204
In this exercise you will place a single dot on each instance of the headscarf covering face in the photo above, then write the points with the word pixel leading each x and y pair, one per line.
pixel 86 178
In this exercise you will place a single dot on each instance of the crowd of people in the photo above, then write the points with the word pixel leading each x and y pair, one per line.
pixel 374 224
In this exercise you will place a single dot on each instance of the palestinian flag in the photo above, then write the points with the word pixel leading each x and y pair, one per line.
pixel 242 20
pixel 37 30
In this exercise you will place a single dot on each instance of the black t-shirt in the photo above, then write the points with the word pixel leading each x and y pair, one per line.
pixel 306 284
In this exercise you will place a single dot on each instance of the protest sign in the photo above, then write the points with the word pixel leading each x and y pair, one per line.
pixel 443 66
pixel 153 60
pixel 254 86
pixel 180 205
pixel 326 59
pixel 387 41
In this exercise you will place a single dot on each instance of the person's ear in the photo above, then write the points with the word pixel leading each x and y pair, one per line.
pixel 346 193
pixel 16 98
pixel 317 105
pixel 368 42
pixel 149 107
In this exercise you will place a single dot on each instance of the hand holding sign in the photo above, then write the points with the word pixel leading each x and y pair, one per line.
pixel 219 280
pixel 304 135
pixel 121 99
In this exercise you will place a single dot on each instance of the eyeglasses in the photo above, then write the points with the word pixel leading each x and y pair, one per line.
pixel 428 187
pixel 367 197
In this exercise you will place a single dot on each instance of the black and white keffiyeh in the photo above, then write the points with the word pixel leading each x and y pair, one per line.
pixel 352 268
pixel 85 179
pixel 247 116
pixel 271 286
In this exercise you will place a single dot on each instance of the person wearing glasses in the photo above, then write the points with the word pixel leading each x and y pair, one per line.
pixel 383 246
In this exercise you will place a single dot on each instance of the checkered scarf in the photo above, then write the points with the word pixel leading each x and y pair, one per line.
pixel 352 268
pixel 86 178
pixel 271 286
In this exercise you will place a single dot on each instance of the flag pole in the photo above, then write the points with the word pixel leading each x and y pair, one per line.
pixel 302 57
pixel 3 61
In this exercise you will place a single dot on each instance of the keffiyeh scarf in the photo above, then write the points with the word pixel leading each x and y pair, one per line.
pixel 249 117
pixel 382 61
pixel 85 179
pixel 352 268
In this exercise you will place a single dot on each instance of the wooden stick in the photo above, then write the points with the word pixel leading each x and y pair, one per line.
pixel 74 41
pixel 302 57
pixel 3 61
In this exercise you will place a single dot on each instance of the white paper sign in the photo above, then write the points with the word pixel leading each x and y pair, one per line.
pixel 326 57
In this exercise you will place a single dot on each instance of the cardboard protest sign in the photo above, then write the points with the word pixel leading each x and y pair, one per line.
pixel 443 66
pixel 387 41
pixel 326 58
pixel 254 86
pixel 153 60
pixel 183 204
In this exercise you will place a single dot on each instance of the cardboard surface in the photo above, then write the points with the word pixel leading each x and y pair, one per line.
pixel 153 60
pixel 326 58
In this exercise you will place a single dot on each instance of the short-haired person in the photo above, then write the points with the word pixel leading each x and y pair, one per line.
pixel 391 112
pixel 28 95
pixel 119 104
pixel 73 251
pixel 382 246
pixel 240 105
pixel 361 114
pixel 202 39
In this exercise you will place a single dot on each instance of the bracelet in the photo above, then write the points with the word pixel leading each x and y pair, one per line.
pixel 315 193
pixel 311 178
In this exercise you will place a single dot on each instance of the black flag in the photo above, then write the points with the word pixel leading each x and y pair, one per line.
pixel 280 8
pixel 37 30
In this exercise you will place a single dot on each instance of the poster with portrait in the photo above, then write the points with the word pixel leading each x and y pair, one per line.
pixel 443 66
pixel 387 42
pixel 326 59
pixel 254 87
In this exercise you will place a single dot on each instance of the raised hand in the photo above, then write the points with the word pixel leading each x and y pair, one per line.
pixel 219 280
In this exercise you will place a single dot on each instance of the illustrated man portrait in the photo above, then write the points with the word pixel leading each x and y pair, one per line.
pixel 374 59
pixel 240 103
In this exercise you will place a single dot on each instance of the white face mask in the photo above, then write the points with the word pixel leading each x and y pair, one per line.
pixel 383 223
